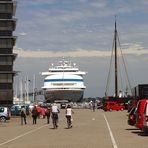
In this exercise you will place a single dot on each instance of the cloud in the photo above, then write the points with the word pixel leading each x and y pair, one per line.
pixel 134 49
pixel 64 25
pixel 22 33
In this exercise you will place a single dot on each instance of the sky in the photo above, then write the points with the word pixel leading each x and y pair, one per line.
pixel 83 31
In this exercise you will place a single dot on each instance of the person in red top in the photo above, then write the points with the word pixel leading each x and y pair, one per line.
pixel 38 110
pixel 43 112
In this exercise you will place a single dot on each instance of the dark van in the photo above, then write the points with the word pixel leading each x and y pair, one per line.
pixel 140 113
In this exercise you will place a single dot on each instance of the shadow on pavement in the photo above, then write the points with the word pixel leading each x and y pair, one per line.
pixel 131 129
pixel 138 132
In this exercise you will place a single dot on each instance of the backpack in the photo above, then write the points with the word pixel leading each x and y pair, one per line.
pixel 35 112
pixel 47 111
pixel 22 113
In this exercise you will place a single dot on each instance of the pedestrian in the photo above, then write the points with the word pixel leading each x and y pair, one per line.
pixel 23 115
pixel 55 110
pixel 34 115
pixel 93 105
pixel 47 113
pixel 27 110
pixel 68 114
pixel 38 108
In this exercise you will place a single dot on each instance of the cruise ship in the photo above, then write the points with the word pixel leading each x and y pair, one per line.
pixel 63 82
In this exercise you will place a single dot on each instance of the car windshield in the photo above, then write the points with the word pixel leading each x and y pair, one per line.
pixel 145 108
pixel 135 110
pixel 132 111
pixel 138 107
pixel 1 109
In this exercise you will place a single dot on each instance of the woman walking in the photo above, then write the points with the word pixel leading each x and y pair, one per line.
pixel 68 114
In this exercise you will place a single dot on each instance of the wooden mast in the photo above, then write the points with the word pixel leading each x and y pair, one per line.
pixel 116 64
pixel 114 56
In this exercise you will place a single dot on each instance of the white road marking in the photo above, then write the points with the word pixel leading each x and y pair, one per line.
pixel 17 137
pixel 111 134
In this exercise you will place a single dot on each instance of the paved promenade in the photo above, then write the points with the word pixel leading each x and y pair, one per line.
pixel 97 129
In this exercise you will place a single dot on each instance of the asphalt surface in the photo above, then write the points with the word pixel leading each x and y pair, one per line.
pixel 90 129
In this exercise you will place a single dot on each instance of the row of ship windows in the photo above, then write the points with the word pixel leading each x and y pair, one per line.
pixel 61 84
pixel 55 80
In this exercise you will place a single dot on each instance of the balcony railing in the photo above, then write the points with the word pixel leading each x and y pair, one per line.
pixel 8 7
pixel 8 24
pixel 7 42
pixel 14 7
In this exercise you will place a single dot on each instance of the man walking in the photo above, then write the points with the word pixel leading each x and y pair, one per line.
pixel 35 114
pixel 23 115
pixel 47 113
pixel 55 110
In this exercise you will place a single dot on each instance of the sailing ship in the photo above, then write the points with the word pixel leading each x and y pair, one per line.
pixel 118 93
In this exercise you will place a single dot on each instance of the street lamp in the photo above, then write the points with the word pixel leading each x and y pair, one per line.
pixel 35 94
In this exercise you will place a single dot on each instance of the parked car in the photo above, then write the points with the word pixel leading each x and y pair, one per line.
pixel 132 116
pixel 140 113
pixel 112 106
pixel 4 114
pixel 145 120
pixel 63 105
pixel 16 109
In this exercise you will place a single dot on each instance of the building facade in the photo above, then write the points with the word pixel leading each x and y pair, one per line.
pixel 7 57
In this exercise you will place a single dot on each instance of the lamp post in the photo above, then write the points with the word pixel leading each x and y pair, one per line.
pixel 34 89
pixel 27 83
pixel 35 94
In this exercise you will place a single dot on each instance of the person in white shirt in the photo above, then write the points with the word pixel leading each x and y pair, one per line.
pixel 68 114
pixel 55 110
pixel 23 115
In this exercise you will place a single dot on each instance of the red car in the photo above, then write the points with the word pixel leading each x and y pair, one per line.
pixel 140 113
pixel 112 106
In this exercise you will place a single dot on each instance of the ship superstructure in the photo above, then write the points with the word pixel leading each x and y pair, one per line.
pixel 63 82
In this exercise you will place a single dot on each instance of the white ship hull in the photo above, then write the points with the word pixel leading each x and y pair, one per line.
pixel 70 95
